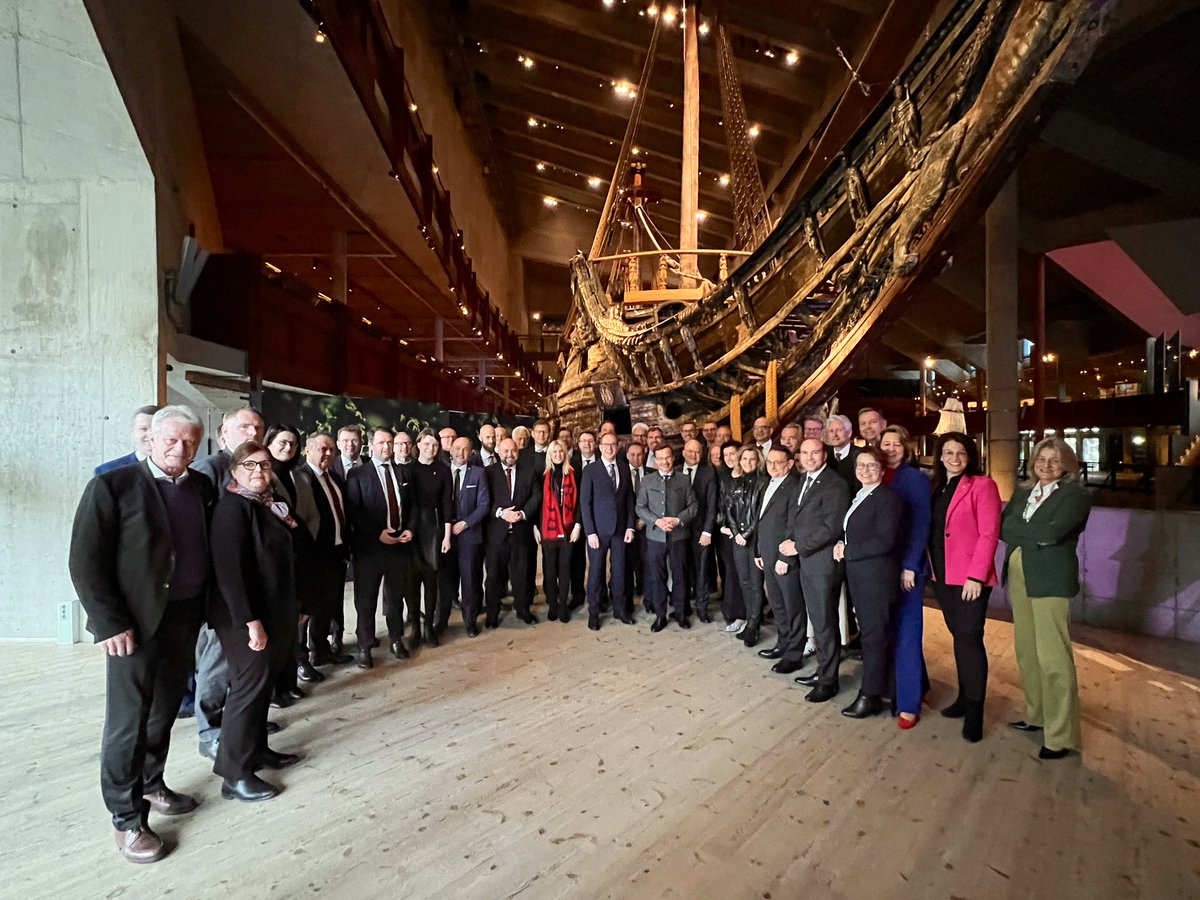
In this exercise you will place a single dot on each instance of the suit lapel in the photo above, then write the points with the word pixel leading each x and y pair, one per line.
pixel 960 492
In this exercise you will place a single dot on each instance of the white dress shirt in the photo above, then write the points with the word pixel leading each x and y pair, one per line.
pixel 160 475
pixel 769 493
pixel 809 480
pixel 329 486
pixel 863 493
pixel 1037 497
pixel 842 452
pixel 385 471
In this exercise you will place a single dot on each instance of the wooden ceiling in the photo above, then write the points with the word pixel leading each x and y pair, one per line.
pixel 540 75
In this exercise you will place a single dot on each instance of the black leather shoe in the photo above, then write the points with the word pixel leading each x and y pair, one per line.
pixel 295 693
pixel 703 615
pixel 281 701
pixel 851 652
pixel 472 630
pixel 272 760
pixel 750 635
pixel 1047 753
pixel 863 707
pixel 166 802
pixel 414 641
pixel 821 693
pixel 808 680
pixel 491 623
pixel 659 624
pixel 248 790
pixel 431 637
pixel 274 728
pixel 1024 726
pixel 306 672
pixel 332 659
pixel 565 615
pixel 529 619
pixel 364 660
pixel 785 668
pixel 208 749
pixel 628 620
pixel 682 622
pixel 594 623
pixel 552 613
pixel 772 653
pixel 335 646
pixel 955 710
pixel 399 650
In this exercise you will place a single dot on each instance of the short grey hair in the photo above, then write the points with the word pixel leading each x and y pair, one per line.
pixel 845 420
pixel 183 414
pixel 231 416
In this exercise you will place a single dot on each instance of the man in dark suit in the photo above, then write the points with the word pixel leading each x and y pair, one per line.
pixel 815 526
pixel 430 523
pixel 606 503
pixel 516 502
pixel 446 437
pixel 212 669
pixel 349 442
pixel 635 552
pixel 780 578
pixel 533 456
pixel 582 458
pixel 139 562
pixel 463 565
pixel 486 454
pixel 842 454
pixel 667 505
pixel 321 573
pixel 139 436
pixel 703 479
pixel 380 512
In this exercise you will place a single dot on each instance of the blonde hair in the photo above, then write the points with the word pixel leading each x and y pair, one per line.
pixel 750 448
pixel 566 456
pixel 1066 458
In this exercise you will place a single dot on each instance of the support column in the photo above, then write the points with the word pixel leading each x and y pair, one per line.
pixel 481 378
pixel 79 311
pixel 439 339
pixel 1003 399
pixel 1040 351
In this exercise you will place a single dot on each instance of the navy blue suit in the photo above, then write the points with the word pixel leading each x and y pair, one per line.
pixel 463 565
pixel 129 459
pixel 607 513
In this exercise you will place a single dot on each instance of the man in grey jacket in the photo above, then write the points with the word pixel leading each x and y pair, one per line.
pixel 667 505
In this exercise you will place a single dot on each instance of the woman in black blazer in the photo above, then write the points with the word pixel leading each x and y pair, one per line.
pixel 740 514
pixel 253 611
pixel 733 605
pixel 870 547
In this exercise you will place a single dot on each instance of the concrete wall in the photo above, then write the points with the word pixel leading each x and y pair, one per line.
pixel 78 292
pixel 1140 572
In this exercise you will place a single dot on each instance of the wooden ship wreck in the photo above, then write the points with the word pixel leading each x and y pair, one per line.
pixel 771 325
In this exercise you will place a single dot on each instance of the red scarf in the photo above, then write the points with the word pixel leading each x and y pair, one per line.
pixel 558 518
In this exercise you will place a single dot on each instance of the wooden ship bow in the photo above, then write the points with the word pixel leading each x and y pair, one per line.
pixel 770 326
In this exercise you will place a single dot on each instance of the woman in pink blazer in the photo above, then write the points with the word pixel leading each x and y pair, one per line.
pixel 963 535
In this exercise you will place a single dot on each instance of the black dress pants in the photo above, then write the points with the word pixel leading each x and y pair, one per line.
pixel 507 558
pixel 635 565
pixel 783 593
pixel 142 695
pixel 469 566
pixel 579 562
pixel 663 557
pixel 423 580
pixel 556 576
pixel 751 578
pixel 388 566
pixel 820 589
pixel 966 620
pixel 698 583
pixel 449 578
pixel 733 604
pixel 324 597
pixel 876 586
pixel 614 552
pixel 251 676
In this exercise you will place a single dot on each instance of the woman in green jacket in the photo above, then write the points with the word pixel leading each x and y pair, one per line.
pixel 1041 527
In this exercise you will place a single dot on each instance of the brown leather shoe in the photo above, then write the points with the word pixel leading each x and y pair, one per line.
pixel 166 802
pixel 140 845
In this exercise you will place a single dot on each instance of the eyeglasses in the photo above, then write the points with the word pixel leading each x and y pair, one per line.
pixel 251 464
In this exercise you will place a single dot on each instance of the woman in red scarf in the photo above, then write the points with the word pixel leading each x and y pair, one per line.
pixel 560 527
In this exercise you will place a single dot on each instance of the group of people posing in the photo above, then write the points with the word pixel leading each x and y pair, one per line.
pixel 233 567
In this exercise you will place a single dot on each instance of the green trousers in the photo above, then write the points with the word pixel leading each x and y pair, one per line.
pixel 1046 661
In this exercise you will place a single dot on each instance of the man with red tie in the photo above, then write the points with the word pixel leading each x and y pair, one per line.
pixel 380 508
pixel 516 501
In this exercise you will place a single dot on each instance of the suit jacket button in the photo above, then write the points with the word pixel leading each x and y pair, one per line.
pixel 166 585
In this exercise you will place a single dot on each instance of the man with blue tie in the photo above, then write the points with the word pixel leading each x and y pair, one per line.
pixel 606 501
pixel 667 504
pixel 464 563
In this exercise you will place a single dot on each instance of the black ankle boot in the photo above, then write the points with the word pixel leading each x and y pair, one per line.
pixel 972 730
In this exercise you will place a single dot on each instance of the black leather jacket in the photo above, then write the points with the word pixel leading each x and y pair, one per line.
pixel 740 506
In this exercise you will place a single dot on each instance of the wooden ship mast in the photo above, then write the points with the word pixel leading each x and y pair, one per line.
pixel 770 325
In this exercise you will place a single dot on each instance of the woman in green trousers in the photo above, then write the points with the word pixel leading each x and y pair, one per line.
pixel 1041 527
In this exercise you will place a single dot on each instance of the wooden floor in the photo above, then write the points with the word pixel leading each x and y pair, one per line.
pixel 554 762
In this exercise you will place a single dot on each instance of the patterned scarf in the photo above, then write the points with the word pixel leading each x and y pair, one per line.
pixel 558 518
pixel 265 498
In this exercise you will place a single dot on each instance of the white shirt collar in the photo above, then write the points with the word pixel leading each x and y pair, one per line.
pixel 160 475
pixel 813 476
pixel 315 470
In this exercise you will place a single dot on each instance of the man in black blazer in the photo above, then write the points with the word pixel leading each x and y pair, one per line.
pixel 321 573
pixel 667 505
pixel 842 454
pixel 380 511
pixel 780 578
pixel 606 503
pixel 139 563
pixel 463 565
pixel 703 479
pixel 516 502
pixel 815 526
pixel 349 455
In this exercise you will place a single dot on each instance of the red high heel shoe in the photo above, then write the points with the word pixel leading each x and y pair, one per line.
pixel 906 724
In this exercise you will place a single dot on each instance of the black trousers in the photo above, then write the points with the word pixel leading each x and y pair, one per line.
pixel 820 589
pixel 468 566
pixel 635 565
pixel 388 566
pixel 142 695
pixel 793 633
pixel 663 557
pixel 966 621
pixel 614 552
pixel 507 559
pixel 579 562
pixel 556 576
pixel 251 676
pixel 733 605
pixel 449 578
pixel 324 595
pixel 698 581
pixel 422 580
pixel 876 586
pixel 783 593
pixel 751 578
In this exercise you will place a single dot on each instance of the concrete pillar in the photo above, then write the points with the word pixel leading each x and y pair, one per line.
pixel 79 309
pixel 1003 400
pixel 439 339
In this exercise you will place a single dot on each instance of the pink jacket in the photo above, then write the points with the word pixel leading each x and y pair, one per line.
pixel 973 531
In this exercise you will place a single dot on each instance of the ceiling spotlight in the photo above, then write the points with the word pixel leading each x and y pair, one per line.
pixel 753 131
pixel 537 316
pixel 669 15
pixel 624 90
pixel 792 58
pixel 723 180
pixel 435 169
pixel 412 107
pixel 608 4
pixel 703 29
pixel 593 182
pixel 652 10
pixel 636 151
pixel 541 167
pixel 526 61
pixel 701 215
pixel 319 37
pixel 549 202
pixel 532 122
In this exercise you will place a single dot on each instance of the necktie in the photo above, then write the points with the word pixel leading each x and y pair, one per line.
pixel 612 473
pixel 337 504
pixel 508 474
pixel 804 489
pixel 691 473
pixel 637 479
pixel 393 504
pixel 457 484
